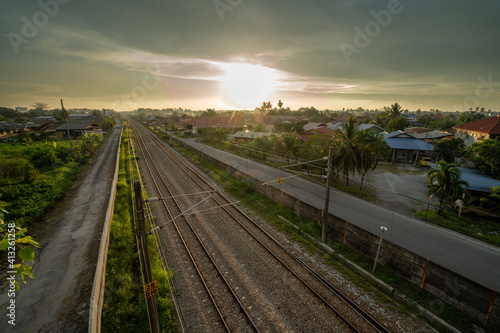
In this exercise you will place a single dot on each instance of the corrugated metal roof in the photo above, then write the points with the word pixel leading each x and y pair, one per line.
pixel 477 180
pixel 408 143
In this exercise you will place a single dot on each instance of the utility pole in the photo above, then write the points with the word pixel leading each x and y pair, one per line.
pixel 327 196
pixel 66 116
pixel 146 267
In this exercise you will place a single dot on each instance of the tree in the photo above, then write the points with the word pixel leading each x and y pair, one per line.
pixel 449 149
pixel 209 113
pixel 12 236
pixel 446 184
pixel 345 151
pixel 468 117
pixel 280 104
pixel 371 146
pixel 65 115
pixel 266 107
pixel 395 111
pixel 397 123
pixel 264 144
pixel 486 156
pixel 40 106
pixel 289 145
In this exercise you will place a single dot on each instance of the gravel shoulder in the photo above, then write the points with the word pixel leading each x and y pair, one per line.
pixel 57 299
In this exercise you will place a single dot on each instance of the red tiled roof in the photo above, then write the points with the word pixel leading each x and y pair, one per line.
pixel 487 125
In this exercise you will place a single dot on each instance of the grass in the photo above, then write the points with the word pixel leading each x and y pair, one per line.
pixel 124 308
pixel 487 230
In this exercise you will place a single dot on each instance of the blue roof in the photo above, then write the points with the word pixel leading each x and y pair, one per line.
pixel 477 180
pixel 409 143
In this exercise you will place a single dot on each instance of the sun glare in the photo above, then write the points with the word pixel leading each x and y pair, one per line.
pixel 246 85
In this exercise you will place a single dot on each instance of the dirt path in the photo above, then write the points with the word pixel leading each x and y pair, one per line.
pixel 57 300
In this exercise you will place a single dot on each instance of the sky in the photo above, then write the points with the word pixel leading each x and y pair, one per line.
pixel 235 54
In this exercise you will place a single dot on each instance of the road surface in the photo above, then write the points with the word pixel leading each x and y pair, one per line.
pixel 471 258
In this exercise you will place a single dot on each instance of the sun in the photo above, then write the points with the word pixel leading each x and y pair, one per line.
pixel 245 85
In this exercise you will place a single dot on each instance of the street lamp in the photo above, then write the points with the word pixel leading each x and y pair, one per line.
pixel 383 229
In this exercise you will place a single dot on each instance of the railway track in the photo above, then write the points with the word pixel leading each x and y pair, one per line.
pixel 254 283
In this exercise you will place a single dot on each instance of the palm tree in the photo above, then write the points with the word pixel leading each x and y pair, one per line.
pixel 446 184
pixel 395 111
pixel 345 152
pixel 371 145
pixel 289 145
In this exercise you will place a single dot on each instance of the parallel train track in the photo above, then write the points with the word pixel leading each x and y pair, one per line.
pixel 237 308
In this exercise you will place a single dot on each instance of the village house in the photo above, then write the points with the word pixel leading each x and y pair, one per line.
pixel 479 130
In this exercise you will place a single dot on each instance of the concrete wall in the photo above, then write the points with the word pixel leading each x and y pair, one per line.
pixel 449 287
pixel 97 297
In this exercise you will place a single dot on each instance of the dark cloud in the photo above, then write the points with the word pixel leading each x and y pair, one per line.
pixel 424 51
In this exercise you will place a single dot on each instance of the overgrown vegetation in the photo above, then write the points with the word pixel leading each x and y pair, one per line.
pixel 34 176
pixel 124 308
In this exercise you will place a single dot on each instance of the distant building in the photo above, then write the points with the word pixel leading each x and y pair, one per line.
pixel 247 136
pixel 8 129
pixel 21 109
pixel 428 135
pixel 407 148
pixel 479 130
pixel 309 134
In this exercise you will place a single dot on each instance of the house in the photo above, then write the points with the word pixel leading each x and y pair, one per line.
pixel 44 127
pixel 407 148
pixel 77 128
pixel 480 185
pixel 155 121
pixel 479 130
pixel 428 135
pixel 247 136
pixel 310 126
pixel 231 123
pixel 8 129
pixel 412 118
pixel 370 127
pixel 309 134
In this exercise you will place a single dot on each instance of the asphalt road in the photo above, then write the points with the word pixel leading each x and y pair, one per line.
pixel 57 299
pixel 476 260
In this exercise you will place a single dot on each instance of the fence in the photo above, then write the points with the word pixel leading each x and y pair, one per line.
pixel 449 287
pixel 97 297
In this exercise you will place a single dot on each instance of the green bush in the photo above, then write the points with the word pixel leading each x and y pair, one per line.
pixel 17 170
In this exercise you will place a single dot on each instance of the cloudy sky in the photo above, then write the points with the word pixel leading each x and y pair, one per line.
pixel 225 54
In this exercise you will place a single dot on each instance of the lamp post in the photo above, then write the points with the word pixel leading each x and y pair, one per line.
pixel 383 229
pixel 327 196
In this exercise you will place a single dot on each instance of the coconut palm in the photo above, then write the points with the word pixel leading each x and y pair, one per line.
pixel 395 111
pixel 371 146
pixel 289 145
pixel 446 184
pixel 345 150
